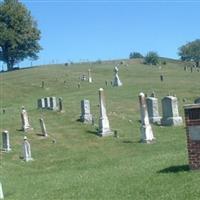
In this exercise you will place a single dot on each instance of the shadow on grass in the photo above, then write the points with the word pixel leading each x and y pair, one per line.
pixel 175 169
pixel 92 132
pixel 128 141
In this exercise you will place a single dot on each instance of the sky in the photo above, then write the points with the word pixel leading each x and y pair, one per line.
pixel 91 30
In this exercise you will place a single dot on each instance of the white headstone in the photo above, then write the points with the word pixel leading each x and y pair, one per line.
pixel 146 129
pixel 43 127
pixel 116 81
pixel 47 102
pixel 25 120
pixel 104 127
pixel 89 76
pixel 26 150
pixel 53 103
pixel 1 192
pixel 6 141
pixel 41 103
pixel 170 112
pixel 152 108
pixel 86 116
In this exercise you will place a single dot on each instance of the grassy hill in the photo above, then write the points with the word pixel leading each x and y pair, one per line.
pixel 81 165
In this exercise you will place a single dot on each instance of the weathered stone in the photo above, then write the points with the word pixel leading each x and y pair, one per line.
pixel 170 112
pixel 89 76
pixel 146 129
pixel 26 150
pixel 5 141
pixel 104 127
pixel 152 108
pixel 47 102
pixel 41 103
pixel 43 127
pixel 86 116
pixel 25 120
pixel 53 103
pixel 116 81
pixel 1 192
pixel 60 104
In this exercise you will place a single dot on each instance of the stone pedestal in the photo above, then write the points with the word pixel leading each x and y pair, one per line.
pixel 192 120
pixel 170 112
pixel 5 141
pixel 104 127
pixel 152 108
pixel 43 127
pixel 116 80
pixel 145 129
pixel 86 116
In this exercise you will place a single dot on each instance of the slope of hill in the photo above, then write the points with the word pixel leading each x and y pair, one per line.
pixel 81 165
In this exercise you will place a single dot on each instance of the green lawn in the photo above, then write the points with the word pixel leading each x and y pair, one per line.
pixel 81 165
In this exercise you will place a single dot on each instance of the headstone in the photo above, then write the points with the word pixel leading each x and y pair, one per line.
pixel 26 150
pixel 170 112
pixel 43 127
pixel 116 80
pixel 152 108
pixel 25 120
pixel 106 82
pixel 1 192
pixel 146 129
pixel 197 100
pixel 104 127
pixel 89 76
pixel 47 102
pixel 192 120
pixel 53 103
pixel 41 103
pixel 42 84
pixel 191 69
pixel 4 111
pixel 5 141
pixel 161 78
pixel 79 85
pixel 60 104
pixel 185 68
pixel 86 116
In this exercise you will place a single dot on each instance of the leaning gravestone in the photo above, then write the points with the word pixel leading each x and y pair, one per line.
pixel 86 116
pixel 152 107
pixel 43 127
pixel 116 81
pixel 104 127
pixel 5 141
pixel 26 150
pixel 197 100
pixel 146 129
pixel 170 112
pixel 25 120
pixel 1 192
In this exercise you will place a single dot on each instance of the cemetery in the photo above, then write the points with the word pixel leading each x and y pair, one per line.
pixel 95 140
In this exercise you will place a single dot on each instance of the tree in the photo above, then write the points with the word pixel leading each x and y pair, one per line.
pixel 151 58
pixel 191 52
pixel 19 35
pixel 135 55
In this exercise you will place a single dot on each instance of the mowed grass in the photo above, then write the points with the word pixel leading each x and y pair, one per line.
pixel 81 165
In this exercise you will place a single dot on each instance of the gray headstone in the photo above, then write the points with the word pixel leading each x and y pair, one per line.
pixel 104 127
pixel 5 141
pixel 25 120
pixel 47 102
pixel 86 116
pixel 152 107
pixel 53 103
pixel 60 104
pixel 116 81
pixel 170 112
pixel 43 127
pixel 26 150
pixel 1 192
pixel 145 129
pixel 41 103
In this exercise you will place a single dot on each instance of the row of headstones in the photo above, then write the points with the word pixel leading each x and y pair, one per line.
pixel 51 103
pixel 170 113
pixel 191 68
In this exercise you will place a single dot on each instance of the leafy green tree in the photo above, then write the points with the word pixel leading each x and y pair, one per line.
pixel 133 55
pixel 19 34
pixel 191 52
pixel 151 58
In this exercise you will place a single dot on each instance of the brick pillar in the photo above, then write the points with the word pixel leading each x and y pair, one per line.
pixel 192 120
